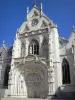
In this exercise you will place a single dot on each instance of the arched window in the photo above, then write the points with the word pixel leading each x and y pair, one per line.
pixel 34 47
pixel 6 76
pixel 22 50
pixel 65 72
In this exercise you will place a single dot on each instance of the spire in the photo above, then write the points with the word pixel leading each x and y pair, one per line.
pixel 34 4
pixel 41 8
pixel 17 33
pixel 27 12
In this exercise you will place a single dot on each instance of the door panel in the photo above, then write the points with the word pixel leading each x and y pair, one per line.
pixel 34 90
pixel 37 90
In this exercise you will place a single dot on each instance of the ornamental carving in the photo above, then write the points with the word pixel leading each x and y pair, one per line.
pixel 33 77
pixel 45 42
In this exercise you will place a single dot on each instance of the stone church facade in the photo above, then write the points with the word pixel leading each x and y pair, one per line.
pixel 40 63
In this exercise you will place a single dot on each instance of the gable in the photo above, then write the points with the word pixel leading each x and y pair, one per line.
pixel 35 21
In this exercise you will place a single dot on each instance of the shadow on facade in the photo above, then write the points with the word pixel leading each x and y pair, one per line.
pixel 63 94
pixel 4 87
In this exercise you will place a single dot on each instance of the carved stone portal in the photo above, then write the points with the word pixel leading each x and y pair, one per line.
pixel 33 85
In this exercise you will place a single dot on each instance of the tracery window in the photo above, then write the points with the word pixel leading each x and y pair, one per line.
pixel 34 47
pixel 65 72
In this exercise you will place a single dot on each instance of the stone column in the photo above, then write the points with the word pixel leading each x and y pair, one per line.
pixel 50 67
pixel 56 58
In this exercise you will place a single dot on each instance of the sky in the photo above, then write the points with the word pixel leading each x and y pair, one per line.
pixel 13 14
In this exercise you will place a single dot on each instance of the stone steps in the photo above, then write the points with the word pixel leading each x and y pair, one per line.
pixel 32 99
pixel 22 99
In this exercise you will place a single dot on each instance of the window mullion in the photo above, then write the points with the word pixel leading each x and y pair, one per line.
pixel 33 48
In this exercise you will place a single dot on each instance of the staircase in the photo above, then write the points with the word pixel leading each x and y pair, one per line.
pixel 26 99
pixel 32 99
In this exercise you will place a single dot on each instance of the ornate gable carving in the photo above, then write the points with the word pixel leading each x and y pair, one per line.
pixel 35 14
pixel 44 24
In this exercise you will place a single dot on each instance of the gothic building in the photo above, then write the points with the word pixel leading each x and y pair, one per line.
pixel 40 63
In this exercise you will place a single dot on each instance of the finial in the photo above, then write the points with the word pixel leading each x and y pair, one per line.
pixel 17 29
pixel 27 12
pixel 17 33
pixel 3 44
pixel 34 4
pixel 73 27
pixel 41 8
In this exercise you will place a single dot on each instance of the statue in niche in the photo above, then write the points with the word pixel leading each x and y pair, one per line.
pixel 45 47
pixel 45 41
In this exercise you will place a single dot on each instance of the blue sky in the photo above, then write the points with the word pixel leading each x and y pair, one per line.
pixel 13 13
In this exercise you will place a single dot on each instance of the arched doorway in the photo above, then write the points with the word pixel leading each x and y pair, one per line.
pixel 36 79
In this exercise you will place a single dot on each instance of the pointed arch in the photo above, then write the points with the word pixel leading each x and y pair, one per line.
pixel 65 72
pixel 6 76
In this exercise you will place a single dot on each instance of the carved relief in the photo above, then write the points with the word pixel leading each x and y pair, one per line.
pixel 35 14
pixel 45 42
pixel 33 77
